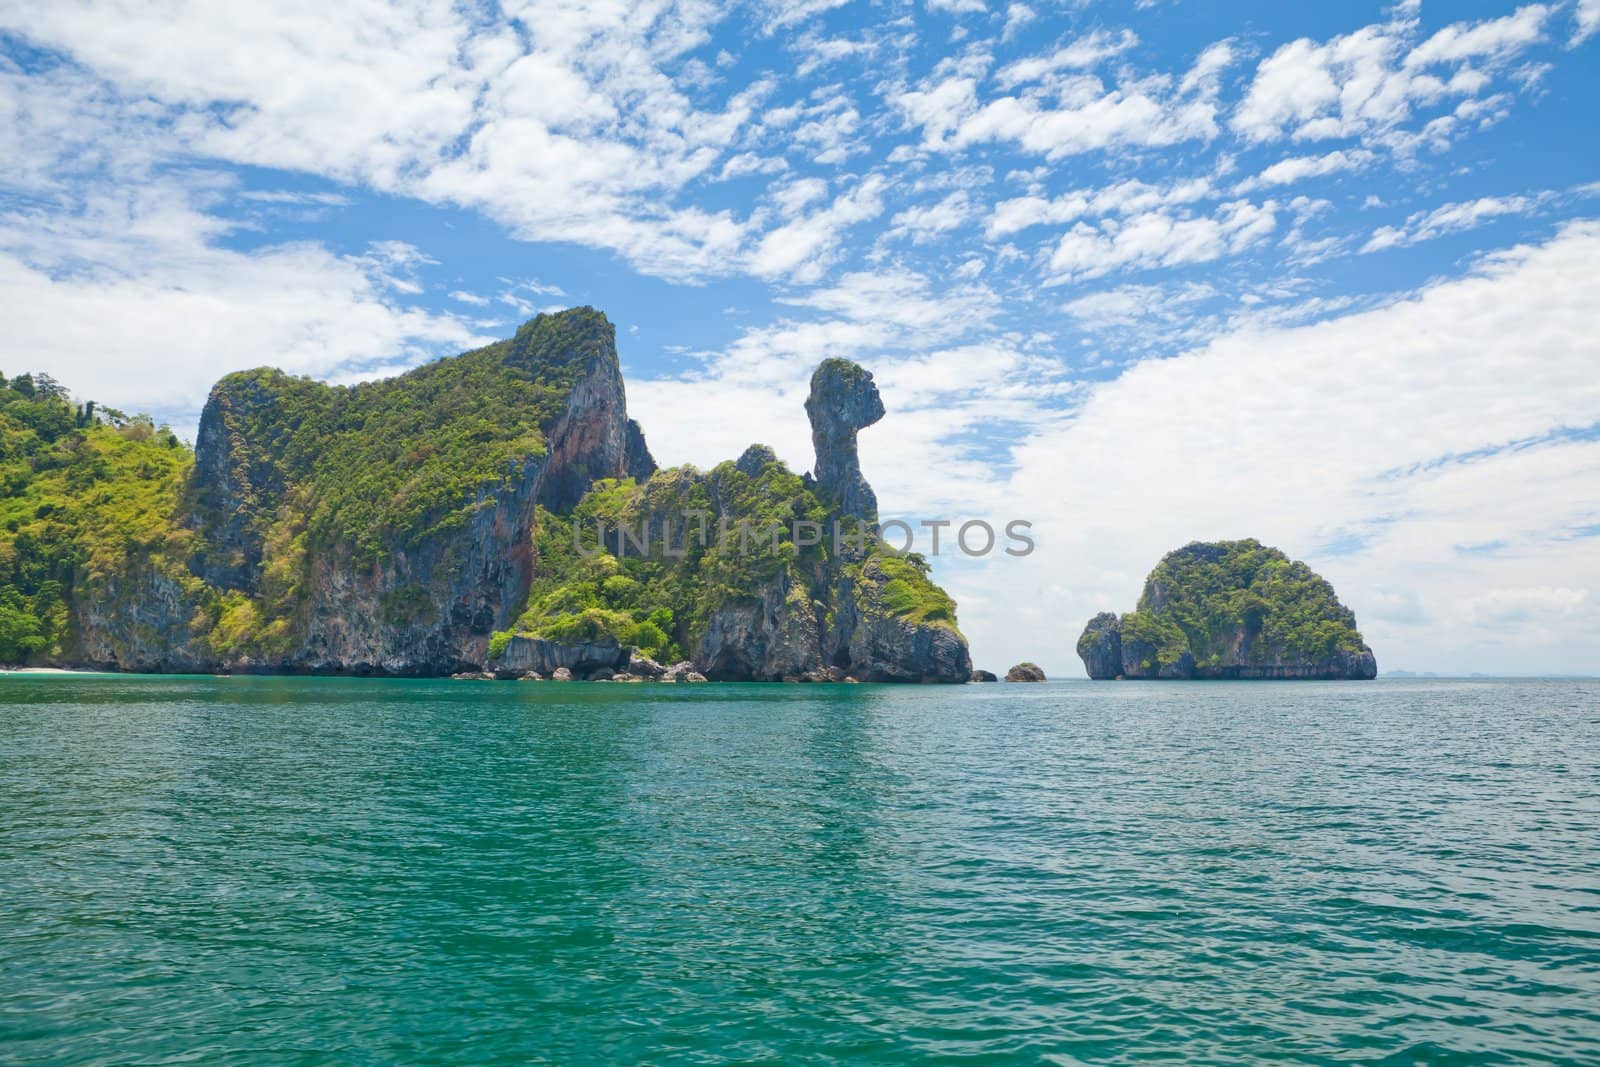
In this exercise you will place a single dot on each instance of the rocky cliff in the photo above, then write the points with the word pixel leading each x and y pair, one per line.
pixel 381 528
pixel 432 523
pixel 843 401
pixel 749 571
pixel 1230 609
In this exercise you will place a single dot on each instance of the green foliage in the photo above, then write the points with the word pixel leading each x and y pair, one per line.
pixel 498 642
pixel 365 471
pixel 94 504
pixel 89 495
pixel 586 593
pixel 1239 601
pixel 81 499
pixel 392 463
pixel 731 534
pixel 1162 639
pixel 906 591
pixel 848 371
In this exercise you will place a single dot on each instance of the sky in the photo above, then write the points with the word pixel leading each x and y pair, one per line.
pixel 1326 275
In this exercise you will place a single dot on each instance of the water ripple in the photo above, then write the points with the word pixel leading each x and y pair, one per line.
pixel 285 871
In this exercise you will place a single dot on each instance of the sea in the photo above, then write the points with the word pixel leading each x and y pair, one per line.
pixel 362 871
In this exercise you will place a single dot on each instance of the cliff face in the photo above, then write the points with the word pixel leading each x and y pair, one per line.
pixel 384 528
pixel 846 609
pixel 737 569
pixel 432 523
pixel 1232 609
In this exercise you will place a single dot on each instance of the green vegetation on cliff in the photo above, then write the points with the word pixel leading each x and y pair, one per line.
pixel 413 525
pixel 305 470
pixel 1229 609
pixel 390 463
pixel 1201 597
pixel 729 534
pixel 81 491
pixel 355 475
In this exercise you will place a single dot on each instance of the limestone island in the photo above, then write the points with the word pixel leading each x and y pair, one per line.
pixel 493 514
pixel 1026 671
pixel 1229 609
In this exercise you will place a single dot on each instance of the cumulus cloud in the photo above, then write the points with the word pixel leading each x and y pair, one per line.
pixel 803 248
pixel 1298 168
pixel 1119 198
pixel 927 222
pixel 132 301
pixel 1062 111
pixel 1159 239
pixel 562 124
pixel 1082 54
pixel 1371 82
pixel 1586 19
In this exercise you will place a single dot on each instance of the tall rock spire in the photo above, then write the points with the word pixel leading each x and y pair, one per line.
pixel 843 401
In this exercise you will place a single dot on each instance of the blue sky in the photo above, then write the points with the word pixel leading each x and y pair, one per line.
pixel 1139 273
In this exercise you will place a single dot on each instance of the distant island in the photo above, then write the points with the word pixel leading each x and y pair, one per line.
pixel 1229 609
pixel 472 516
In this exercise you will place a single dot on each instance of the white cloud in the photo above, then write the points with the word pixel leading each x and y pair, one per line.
pixel 783 13
pixel 1085 53
pixel 1370 82
pixel 1017 16
pixel 1205 75
pixel 1119 198
pixel 132 302
pixel 803 248
pixel 1586 19
pixel 1447 219
pixel 746 163
pixel 284 196
pixel 1490 38
pixel 926 222
pixel 1131 305
pixel 1159 239
pixel 827 131
pixel 1071 113
pixel 1298 168
pixel 560 123
pixel 1503 607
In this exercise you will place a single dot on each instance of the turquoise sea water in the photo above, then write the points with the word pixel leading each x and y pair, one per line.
pixel 321 870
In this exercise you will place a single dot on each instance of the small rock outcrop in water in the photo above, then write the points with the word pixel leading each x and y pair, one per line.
pixel 1230 609
pixel 1100 646
pixel 580 658
pixel 1025 672
pixel 843 401
pixel 984 676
